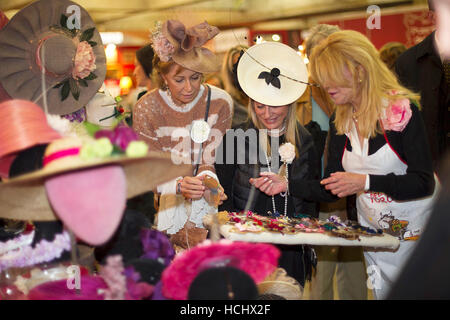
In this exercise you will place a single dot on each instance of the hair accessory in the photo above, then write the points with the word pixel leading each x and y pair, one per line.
pixel 280 66
pixel 173 41
pixel 272 77
pixel 161 45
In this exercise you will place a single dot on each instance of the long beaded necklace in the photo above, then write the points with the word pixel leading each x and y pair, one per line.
pixel 283 194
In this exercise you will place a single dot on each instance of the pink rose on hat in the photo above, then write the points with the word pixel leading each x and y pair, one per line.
pixel 84 62
pixel 397 115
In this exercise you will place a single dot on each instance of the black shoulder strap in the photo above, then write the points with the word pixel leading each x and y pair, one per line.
pixel 208 103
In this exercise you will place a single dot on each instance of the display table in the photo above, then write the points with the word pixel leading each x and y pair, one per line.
pixel 250 227
pixel 384 241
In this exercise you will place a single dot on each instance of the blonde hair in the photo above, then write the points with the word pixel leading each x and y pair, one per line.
pixel 291 133
pixel 351 52
pixel 229 84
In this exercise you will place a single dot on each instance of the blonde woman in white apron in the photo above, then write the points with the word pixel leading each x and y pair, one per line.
pixel 377 149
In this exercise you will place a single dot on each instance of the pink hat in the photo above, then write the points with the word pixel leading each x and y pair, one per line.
pixel 257 259
pixel 24 125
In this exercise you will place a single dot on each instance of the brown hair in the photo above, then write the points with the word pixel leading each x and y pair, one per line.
pixel 390 52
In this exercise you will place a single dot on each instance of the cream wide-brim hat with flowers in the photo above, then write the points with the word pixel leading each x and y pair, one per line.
pixel 272 61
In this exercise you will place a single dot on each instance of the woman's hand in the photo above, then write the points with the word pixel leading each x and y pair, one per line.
pixel 344 184
pixel 192 188
pixel 270 183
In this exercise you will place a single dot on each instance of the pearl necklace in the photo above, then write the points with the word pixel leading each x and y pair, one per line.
pixel 283 194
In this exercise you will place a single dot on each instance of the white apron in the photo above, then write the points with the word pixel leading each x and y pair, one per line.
pixel 404 219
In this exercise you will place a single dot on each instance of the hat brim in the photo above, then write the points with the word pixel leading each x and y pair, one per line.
pixel 19 74
pixel 269 55
pixel 198 59
pixel 25 198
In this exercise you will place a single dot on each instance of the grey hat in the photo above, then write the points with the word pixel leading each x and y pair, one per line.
pixel 56 39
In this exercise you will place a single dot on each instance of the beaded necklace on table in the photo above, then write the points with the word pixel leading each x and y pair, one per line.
pixel 283 194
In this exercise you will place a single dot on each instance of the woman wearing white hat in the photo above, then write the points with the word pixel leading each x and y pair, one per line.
pixel 274 76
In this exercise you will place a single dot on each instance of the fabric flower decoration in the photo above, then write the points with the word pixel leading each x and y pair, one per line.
pixel 397 115
pixel 84 62
pixel 287 152
pixel 78 116
pixel 156 246
pixel 100 148
pixel 121 136
pixel 162 46
pixel 136 149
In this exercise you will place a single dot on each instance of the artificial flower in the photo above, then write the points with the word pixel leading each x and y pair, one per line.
pixel 136 149
pixel 84 62
pixel 113 275
pixel 287 152
pixel 162 46
pixel 121 137
pixel 77 116
pixel 156 246
pixel 100 148
pixel 397 115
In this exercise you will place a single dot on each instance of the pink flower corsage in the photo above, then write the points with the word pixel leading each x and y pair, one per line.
pixel 84 62
pixel 397 115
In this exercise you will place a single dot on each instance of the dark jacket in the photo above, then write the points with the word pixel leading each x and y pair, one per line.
pixel 235 177
pixel 420 69
pixel 411 145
